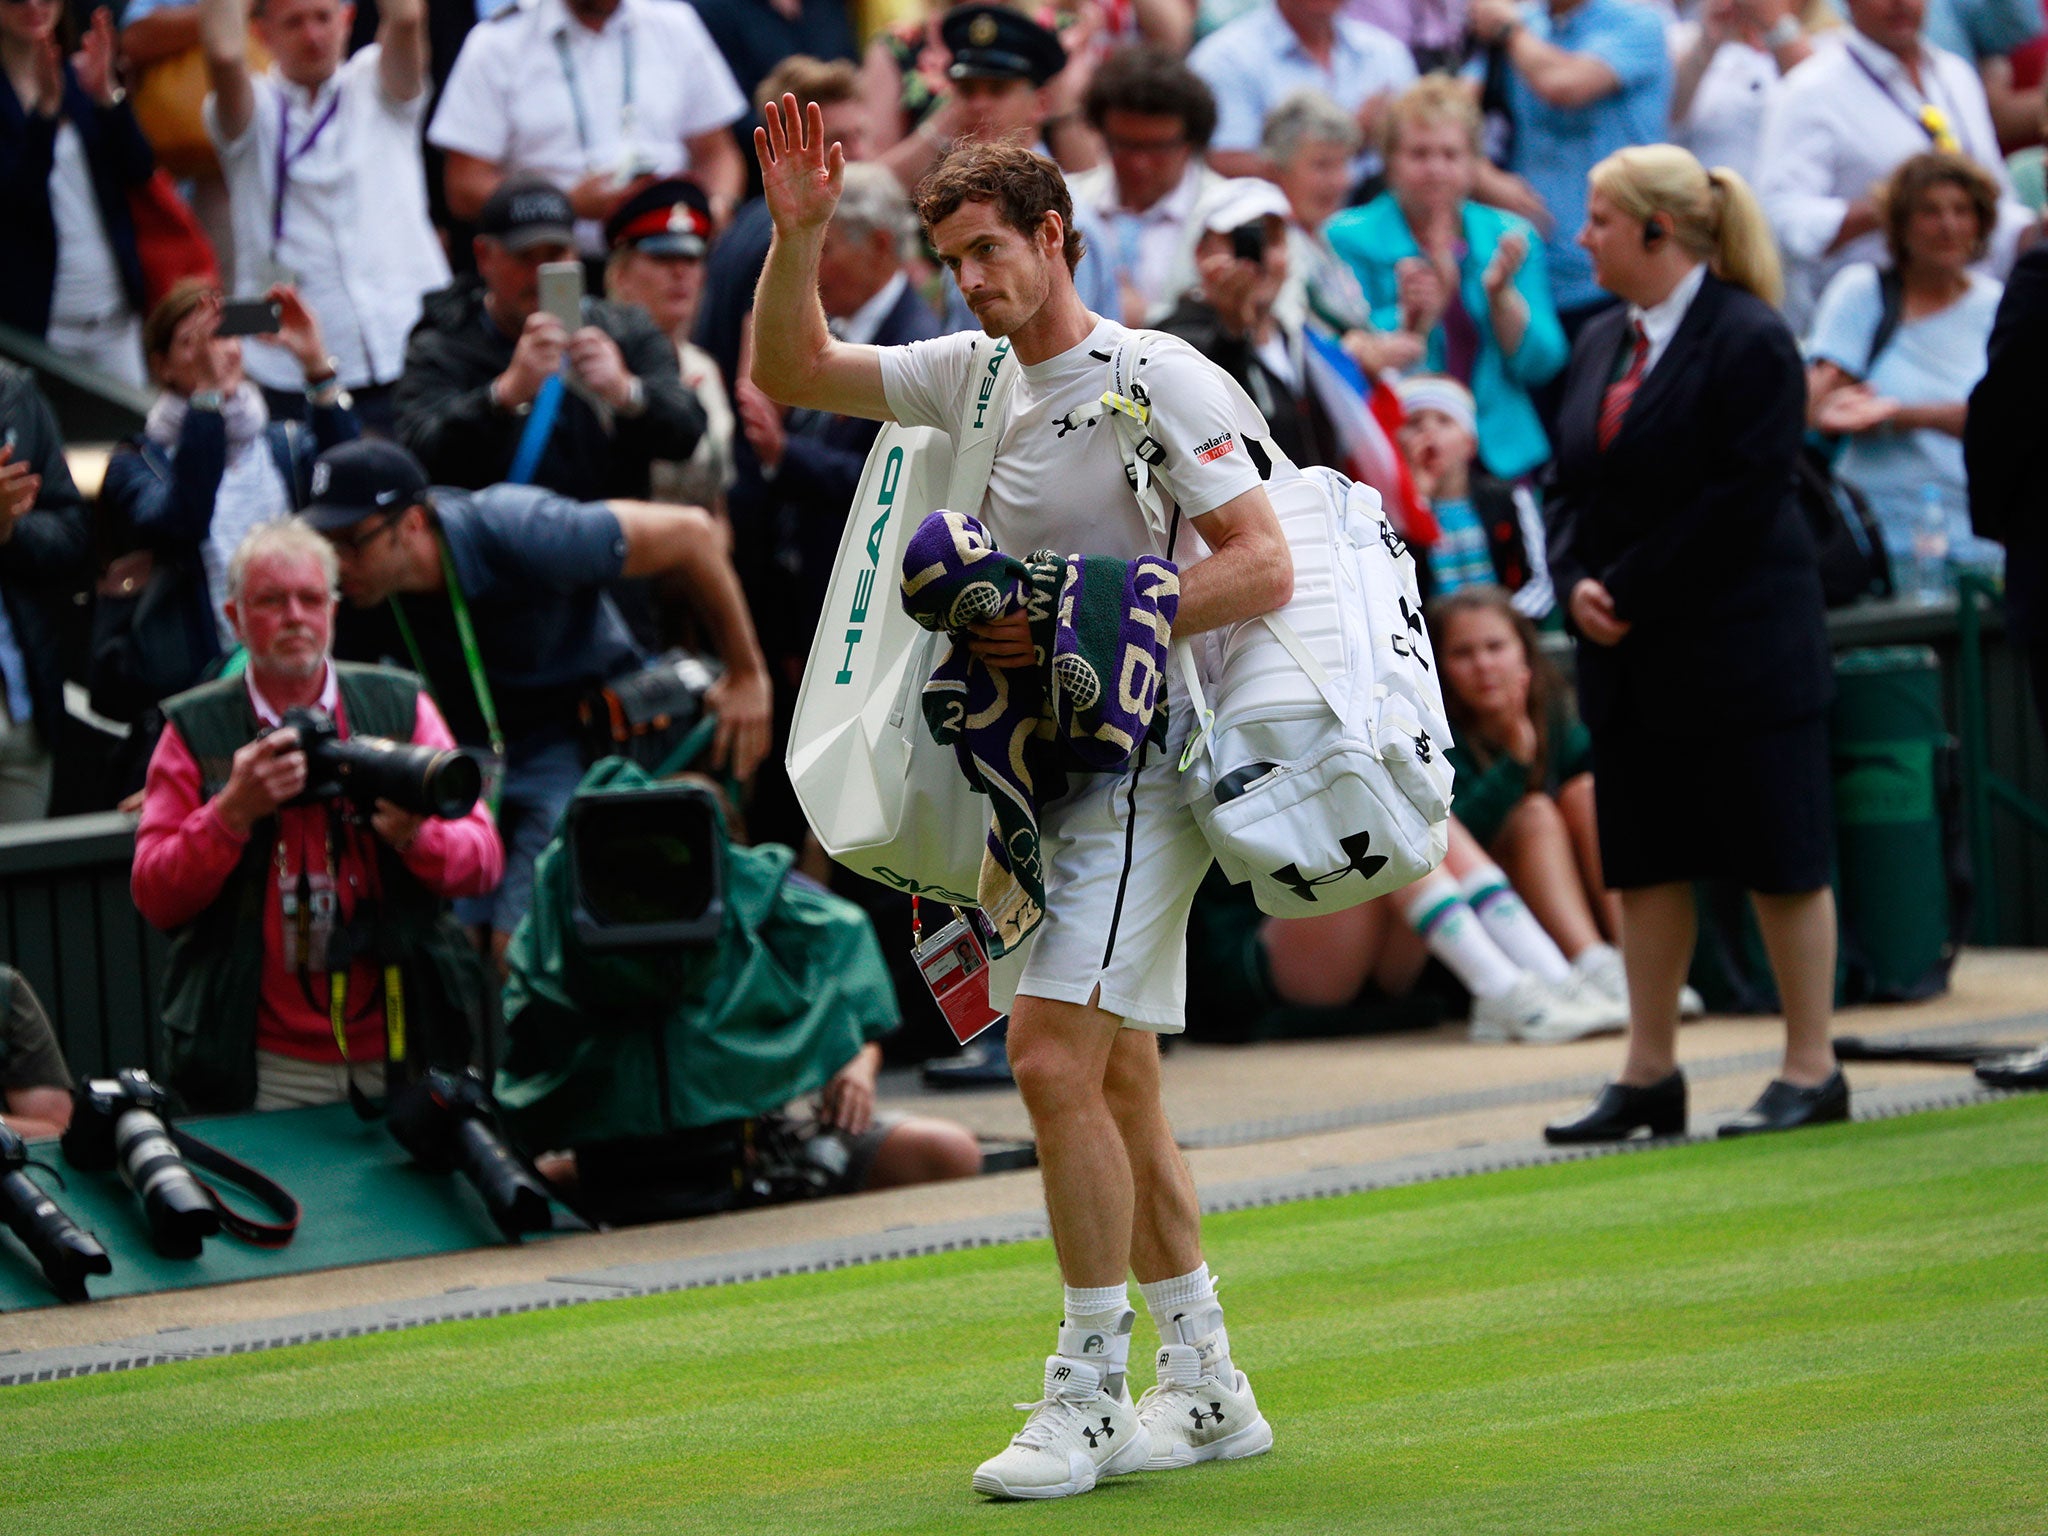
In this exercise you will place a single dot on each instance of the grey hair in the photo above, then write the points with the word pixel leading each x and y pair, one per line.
pixel 287 538
pixel 873 199
pixel 1307 116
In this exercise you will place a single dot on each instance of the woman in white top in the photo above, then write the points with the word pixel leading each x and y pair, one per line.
pixel 1892 359
pixel 70 151
pixel 1727 61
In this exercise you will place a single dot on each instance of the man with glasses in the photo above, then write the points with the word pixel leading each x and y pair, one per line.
pixel 310 949
pixel 1155 116
pixel 524 574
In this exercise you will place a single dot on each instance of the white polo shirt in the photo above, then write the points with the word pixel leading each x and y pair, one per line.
pixel 536 91
pixel 1842 122
pixel 352 225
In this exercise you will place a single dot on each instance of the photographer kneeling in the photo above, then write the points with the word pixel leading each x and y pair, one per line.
pixel 309 933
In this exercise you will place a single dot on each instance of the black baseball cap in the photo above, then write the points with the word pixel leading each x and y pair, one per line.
pixel 366 478
pixel 997 43
pixel 670 218
pixel 525 212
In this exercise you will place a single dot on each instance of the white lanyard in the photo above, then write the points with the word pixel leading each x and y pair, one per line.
pixel 568 63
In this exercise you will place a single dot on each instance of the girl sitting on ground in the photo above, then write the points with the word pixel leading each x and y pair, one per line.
pixel 1524 788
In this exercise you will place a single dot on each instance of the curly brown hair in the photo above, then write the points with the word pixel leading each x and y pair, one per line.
pixel 1020 184
pixel 1900 193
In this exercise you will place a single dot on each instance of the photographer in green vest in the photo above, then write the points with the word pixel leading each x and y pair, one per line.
pixel 311 944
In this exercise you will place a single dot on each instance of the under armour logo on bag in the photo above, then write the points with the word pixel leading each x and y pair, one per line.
pixel 1403 646
pixel 1097 1436
pixel 1357 848
pixel 1423 747
pixel 1201 1418
pixel 1396 545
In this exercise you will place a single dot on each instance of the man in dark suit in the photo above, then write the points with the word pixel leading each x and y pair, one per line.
pixel 2002 452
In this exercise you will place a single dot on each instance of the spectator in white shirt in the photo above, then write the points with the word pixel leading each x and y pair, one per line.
pixel 326 188
pixel 1844 120
pixel 1155 116
pixel 1726 64
pixel 600 97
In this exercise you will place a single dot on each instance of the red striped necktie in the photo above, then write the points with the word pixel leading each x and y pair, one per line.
pixel 1614 404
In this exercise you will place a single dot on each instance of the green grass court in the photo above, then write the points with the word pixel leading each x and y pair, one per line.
pixel 1841 1331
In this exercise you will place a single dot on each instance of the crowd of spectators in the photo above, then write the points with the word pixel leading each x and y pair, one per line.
pixel 1367 211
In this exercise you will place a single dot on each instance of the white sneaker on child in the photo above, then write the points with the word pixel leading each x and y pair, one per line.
pixel 1191 1417
pixel 1535 1011
pixel 1599 967
pixel 1076 1434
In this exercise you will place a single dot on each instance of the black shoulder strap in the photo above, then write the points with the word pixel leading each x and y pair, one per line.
pixel 1891 293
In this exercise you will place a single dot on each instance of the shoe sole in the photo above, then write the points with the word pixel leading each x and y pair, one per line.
pixel 1134 1457
pixel 1253 1440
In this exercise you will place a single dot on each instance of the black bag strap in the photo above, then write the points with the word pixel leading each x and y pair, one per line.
pixel 1891 296
pixel 262 1234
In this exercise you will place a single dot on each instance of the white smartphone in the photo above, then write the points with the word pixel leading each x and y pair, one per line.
pixel 561 292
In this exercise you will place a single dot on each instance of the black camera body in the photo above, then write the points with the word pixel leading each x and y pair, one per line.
pixel 66 1253
pixel 447 1121
pixel 1248 241
pixel 427 781
pixel 119 1121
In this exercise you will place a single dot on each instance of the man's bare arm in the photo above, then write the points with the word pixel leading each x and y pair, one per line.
pixel 469 183
pixel 402 48
pixel 796 360
pixel 1248 570
pixel 224 34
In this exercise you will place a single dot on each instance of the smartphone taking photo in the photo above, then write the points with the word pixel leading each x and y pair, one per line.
pixel 561 292
pixel 250 317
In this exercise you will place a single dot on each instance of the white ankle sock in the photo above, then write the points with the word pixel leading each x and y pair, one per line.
pixel 1097 1331
pixel 1186 1311
pixel 1513 926
pixel 1437 910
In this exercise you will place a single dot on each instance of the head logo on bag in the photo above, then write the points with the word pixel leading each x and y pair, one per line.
pixel 864 584
pixel 988 381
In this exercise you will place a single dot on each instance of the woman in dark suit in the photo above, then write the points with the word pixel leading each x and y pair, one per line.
pixel 1690 578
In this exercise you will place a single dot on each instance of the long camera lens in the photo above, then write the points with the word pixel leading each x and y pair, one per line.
pixel 66 1254
pixel 181 1214
pixel 427 781
pixel 515 1198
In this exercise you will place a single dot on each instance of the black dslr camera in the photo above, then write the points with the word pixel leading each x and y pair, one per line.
pixel 66 1254
pixel 427 781
pixel 448 1122
pixel 120 1120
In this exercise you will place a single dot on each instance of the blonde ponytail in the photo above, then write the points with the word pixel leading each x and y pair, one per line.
pixel 1746 254
pixel 1713 214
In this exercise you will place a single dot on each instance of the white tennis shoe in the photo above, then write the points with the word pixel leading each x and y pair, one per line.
pixel 1534 1011
pixel 1077 1433
pixel 1189 1417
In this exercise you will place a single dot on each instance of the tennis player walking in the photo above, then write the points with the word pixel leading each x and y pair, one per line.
pixel 1106 970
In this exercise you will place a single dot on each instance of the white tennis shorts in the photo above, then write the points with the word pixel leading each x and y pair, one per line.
pixel 1123 859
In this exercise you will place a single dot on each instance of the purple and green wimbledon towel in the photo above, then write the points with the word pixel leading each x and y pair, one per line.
pixel 1100 630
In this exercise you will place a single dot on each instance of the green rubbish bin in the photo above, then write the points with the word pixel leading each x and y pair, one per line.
pixel 1896 822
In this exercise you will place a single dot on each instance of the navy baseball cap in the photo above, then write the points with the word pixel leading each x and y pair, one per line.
pixel 525 212
pixel 670 218
pixel 995 42
pixel 366 478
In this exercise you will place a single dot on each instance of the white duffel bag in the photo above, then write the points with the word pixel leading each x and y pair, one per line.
pixel 882 797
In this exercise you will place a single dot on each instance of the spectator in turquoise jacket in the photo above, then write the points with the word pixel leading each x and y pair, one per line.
pixel 1456 287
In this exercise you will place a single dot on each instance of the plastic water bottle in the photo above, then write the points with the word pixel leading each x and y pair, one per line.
pixel 1930 583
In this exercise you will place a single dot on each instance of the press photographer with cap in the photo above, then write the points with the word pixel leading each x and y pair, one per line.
pixel 309 941
pixel 525 573
pixel 479 365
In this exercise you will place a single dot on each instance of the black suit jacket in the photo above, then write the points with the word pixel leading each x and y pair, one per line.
pixel 2001 445
pixel 815 484
pixel 1689 519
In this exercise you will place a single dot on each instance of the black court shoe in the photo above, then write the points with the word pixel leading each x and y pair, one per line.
pixel 1784 1106
pixel 1620 1111
pixel 2029 1069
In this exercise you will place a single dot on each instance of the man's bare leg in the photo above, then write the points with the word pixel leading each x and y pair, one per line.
pixel 1166 1225
pixel 1059 1054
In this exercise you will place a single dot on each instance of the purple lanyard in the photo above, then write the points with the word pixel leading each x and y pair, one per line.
pixel 288 157
pixel 1955 124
